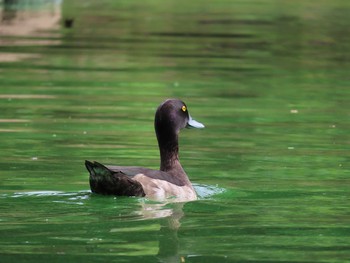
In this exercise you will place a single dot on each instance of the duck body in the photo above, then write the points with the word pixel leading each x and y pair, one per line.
pixel 170 181
pixel 138 181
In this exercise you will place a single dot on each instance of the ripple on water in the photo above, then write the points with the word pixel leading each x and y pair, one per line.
pixel 203 192
pixel 207 191
pixel 55 204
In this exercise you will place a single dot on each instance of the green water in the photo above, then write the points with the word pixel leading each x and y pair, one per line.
pixel 269 79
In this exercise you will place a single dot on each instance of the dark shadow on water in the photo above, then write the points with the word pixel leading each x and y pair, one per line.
pixel 200 35
pixel 255 22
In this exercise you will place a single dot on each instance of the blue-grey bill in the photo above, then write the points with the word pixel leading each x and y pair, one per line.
pixel 194 124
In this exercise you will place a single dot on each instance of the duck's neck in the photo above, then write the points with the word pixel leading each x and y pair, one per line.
pixel 169 152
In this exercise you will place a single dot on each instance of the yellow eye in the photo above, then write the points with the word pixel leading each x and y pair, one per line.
pixel 183 108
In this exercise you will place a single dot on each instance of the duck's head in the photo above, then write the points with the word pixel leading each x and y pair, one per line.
pixel 172 116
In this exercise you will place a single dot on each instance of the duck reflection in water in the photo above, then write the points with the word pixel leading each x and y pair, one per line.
pixel 168 238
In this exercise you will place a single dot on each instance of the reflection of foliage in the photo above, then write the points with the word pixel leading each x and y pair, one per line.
pixel 9 10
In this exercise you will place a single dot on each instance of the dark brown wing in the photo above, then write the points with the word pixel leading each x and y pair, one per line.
pixel 107 182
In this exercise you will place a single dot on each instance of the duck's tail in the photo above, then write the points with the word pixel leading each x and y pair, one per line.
pixel 97 169
pixel 107 182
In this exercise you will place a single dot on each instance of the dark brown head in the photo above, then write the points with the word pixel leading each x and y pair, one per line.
pixel 172 116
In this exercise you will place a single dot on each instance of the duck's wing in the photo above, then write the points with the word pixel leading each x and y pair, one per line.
pixel 112 182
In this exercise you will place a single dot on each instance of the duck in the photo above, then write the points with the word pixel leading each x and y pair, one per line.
pixel 170 181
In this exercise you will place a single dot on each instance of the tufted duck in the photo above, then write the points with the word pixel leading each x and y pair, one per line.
pixel 170 181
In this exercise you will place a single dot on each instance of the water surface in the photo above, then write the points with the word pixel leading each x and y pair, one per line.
pixel 269 79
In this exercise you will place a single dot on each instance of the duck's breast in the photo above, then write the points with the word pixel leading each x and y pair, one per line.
pixel 160 189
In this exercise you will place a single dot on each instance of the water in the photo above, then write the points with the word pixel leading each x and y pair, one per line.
pixel 269 79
